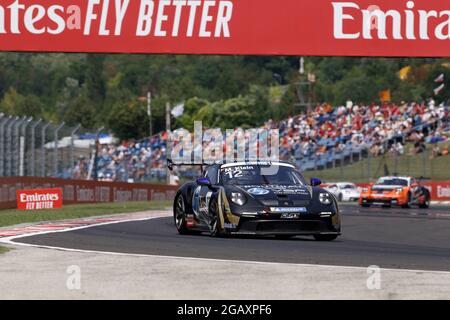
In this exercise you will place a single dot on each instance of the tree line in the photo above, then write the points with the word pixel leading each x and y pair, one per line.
pixel 222 91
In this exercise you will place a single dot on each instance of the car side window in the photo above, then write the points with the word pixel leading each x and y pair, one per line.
pixel 211 173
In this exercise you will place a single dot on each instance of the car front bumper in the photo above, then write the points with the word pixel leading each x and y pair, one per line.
pixel 382 201
pixel 309 226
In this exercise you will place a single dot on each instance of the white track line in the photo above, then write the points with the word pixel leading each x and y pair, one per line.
pixel 10 241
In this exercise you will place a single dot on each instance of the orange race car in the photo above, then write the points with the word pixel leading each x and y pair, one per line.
pixel 396 191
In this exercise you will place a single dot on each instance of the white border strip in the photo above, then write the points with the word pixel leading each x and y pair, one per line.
pixel 10 241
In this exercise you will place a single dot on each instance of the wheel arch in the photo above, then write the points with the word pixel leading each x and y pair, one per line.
pixel 186 191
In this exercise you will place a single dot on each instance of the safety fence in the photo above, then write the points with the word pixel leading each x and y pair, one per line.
pixel 30 147
pixel 84 192
pixel 430 161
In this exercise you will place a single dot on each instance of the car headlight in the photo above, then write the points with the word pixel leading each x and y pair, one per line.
pixel 325 198
pixel 238 198
pixel 399 190
pixel 365 190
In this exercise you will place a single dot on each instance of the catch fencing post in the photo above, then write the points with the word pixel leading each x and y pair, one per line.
pixel 43 159
pixel 72 143
pixel 169 133
pixel 424 163
pixel 395 153
pixel 55 152
pixel 9 141
pixel 95 164
pixel 3 123
pixel 32 164
pixel 22 146
pixel 16 151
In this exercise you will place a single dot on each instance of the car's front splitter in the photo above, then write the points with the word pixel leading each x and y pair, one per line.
pixel 382 201
pixel 286 227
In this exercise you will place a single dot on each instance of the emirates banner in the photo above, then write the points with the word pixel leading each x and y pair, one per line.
pixel 19 192
pixel 285 27
pixel 39 199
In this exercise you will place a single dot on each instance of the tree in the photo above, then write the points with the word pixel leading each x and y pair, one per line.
pixel 13 103
pixel 127 118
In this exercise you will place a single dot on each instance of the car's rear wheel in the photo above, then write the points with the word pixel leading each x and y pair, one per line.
pixel 340 197
pixel 179 215
pixel 426 203
pixel 325 237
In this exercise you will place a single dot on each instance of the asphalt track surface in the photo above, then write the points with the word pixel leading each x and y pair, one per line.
pixel 389 238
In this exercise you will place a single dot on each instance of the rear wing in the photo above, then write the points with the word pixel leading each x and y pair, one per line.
pixel 171 164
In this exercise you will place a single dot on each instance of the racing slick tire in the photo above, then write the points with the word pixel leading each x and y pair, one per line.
pixel 408 204
pixel 426 203
pixel 179 216
pixel 325 237
pixel 216 231
pixel 284 237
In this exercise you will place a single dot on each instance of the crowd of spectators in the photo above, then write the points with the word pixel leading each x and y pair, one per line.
pixel 132 161
pixel 377 128
pixel 310 135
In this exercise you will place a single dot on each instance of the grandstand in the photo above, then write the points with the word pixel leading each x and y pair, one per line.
pixel 331 142
pixel 322 139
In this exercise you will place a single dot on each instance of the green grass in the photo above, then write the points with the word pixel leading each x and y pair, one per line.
pixel 419 165
pixel 13 217
pixel 3 250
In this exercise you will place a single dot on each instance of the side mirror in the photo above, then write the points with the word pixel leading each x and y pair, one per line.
pixel 204 182
pixel 170 164
pixel 315 182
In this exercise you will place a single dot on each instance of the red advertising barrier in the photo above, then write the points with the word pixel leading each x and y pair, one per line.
pixel 287 27
pixel 84 192
pixel 39 199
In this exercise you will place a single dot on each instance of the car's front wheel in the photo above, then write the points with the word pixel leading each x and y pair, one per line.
pixel 283 237
pixel 179 215
pixel 215 225
pixel 409 203
pixel 325 237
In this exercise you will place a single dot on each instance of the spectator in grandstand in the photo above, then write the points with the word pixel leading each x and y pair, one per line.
pixel 397 149
pixel 436 152
pixel 81 169
pixel 321 133
pixel 419 147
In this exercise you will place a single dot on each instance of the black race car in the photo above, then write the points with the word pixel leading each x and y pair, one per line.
pixel 256 198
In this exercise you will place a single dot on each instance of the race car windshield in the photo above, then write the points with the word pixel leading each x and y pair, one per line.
pixel 254 175
pixel 393 182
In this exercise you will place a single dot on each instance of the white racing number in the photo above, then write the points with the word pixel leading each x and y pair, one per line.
pixel 237 172
pixel 233 173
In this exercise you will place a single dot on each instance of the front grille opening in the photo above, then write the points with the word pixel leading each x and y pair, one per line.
pixel 289 226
